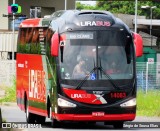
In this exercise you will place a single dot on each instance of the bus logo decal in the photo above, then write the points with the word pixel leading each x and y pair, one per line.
pixel 95 23
pixel 36 84
pixel 80 95
pixel 97 92
pixel 100 98
pixel 20 65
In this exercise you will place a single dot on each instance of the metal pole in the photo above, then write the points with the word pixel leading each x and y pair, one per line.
pixel 13 40
pixel 146 77
pixel 135 28
pixel 13 34
pixel 65 4
pixel 35 12
pixel 13 37
pixel 0 119
pixel 151 25
pixel 142 81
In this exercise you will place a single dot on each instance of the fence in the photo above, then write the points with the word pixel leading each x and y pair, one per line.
pixel 7 72
pixel 148 75
pixel 6 41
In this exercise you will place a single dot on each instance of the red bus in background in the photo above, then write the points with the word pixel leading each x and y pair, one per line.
pixel 77 66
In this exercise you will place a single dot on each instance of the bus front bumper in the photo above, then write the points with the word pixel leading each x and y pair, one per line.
pixel 90 117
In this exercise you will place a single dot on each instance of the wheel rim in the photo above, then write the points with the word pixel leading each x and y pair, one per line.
pixel 50 111
pixel 27 112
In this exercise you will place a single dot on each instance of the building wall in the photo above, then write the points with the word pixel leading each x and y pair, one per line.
pixel 128 20
pixel 60 4
pixel 55 4
pixel 3 10
pixel 49 6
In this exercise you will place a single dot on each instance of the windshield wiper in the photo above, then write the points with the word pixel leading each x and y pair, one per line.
pixel 108 76
pixel 82 82
pixel 102 71
pixel 100 67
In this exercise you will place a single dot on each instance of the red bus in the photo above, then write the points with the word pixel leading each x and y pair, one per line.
pixel 77 66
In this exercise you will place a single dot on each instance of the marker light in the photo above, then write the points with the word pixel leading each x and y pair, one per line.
pixel 64 103
pixel 129 103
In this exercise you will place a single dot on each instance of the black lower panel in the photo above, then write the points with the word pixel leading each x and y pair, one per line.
pixel 90 110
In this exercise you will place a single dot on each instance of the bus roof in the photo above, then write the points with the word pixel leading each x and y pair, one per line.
pixel 36 22
pixel 60 20
pixel 85 19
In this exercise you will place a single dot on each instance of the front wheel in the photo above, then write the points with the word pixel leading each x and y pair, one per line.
pixel 40 119
pixel 118 125
pixel 55 123
pixel 30 117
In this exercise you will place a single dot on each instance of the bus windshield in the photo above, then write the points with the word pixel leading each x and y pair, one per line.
pixel 106 50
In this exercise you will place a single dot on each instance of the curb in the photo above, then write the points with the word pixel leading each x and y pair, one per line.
pixel 0 119
pixel 8 104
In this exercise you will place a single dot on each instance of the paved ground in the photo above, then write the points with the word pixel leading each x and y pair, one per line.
pixel 14 114
pixel 2 93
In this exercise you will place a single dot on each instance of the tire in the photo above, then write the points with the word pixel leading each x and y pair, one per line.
pixel 40 119
pixel 92 122
pixel 55 123
pixel 30 117
pixel 118 125
pixel 50 113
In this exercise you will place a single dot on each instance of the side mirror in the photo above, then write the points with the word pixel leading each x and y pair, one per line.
pixel 138 42
pixel 55 44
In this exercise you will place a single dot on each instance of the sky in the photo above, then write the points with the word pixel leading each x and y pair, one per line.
pixel 88 2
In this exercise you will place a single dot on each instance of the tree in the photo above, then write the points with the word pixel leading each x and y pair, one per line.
pixel 124 7
pixel 79 6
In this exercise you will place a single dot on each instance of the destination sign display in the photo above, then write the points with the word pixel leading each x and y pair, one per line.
pixel 80 35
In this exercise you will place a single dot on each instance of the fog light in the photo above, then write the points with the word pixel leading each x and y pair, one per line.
pixel 129 103
pixel 64 103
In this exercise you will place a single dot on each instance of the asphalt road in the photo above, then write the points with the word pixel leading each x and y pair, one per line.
pixel 14 114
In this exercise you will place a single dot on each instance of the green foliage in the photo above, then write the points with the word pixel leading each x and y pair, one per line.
pixel 148 104
pixel 10 93
pixel 4 120
pixel 80 6
pixel 30 48
pixel 124 7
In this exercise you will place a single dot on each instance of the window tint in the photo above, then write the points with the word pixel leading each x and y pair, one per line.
pixel 33 40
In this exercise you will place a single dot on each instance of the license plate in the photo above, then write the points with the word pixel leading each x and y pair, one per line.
pixel 98 113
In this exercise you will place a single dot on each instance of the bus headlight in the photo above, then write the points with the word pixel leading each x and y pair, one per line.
pixel 129 103
pixel 64 103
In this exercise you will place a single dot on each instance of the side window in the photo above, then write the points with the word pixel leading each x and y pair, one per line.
pixel 129 50
pixel 28 41
pixel 33 40
pixel 48 35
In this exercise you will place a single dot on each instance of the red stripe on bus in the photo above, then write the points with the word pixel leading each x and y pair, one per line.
pixel 31 23
pixel 34 110
pixel 38 111
pixel 82 96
